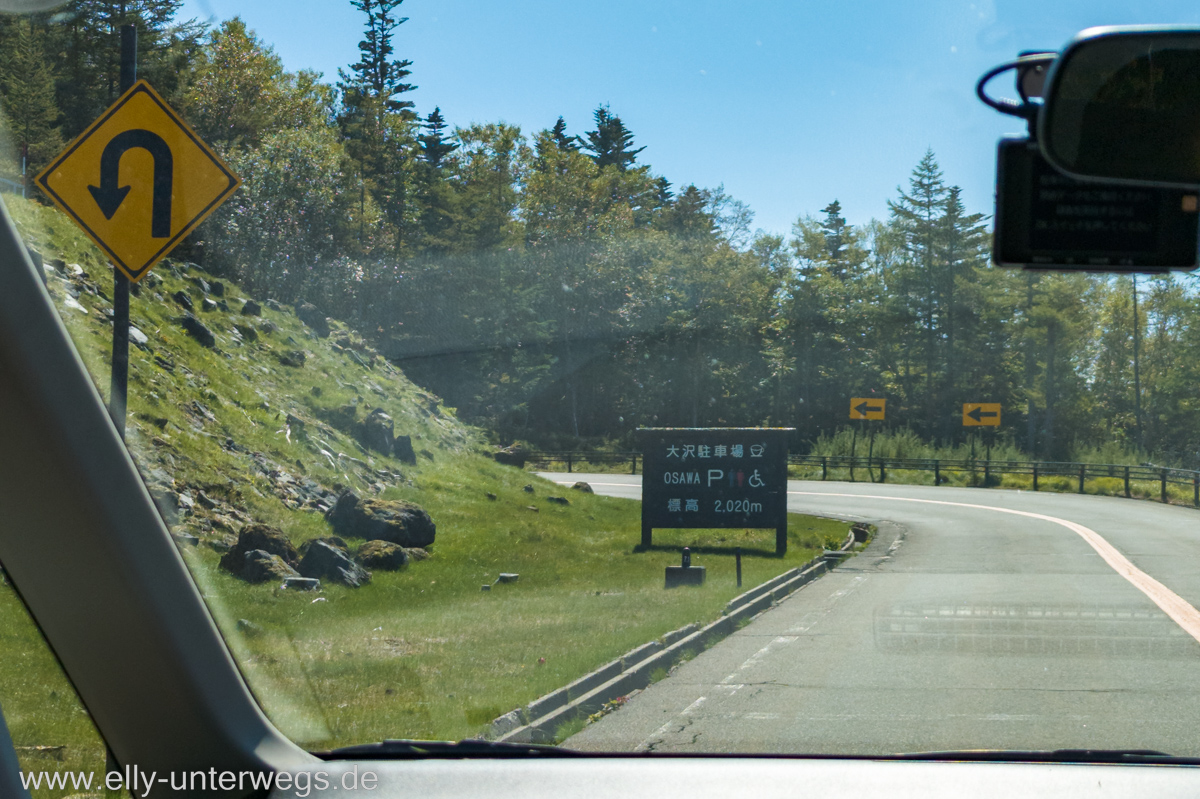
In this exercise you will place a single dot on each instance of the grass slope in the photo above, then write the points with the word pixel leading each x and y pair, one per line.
pixel 418 653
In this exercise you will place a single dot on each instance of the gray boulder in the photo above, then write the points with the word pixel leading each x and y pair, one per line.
pixel 332 540
pixel 512 456
pixel 311 316
pixel 138 339
pixel 199 331
pixel 208 305
pixel 183 300
pixel 376 432
pixel 293 358
pixel 401 523
pixel 258 566
pixel 217 288
pixel 402 448
pixel 382 556
pixel 584 487
pixel 251 308
pixel 259 537
pixel 327 562
pixel 248 333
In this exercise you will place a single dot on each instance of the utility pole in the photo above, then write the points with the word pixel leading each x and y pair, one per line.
pixel 119 387
pixel 1137 375
pixel 1030 364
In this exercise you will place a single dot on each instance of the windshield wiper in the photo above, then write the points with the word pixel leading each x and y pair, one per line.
pixel 403 749
pixel 1126 756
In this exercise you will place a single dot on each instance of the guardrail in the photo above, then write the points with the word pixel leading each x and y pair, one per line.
pixel 983 472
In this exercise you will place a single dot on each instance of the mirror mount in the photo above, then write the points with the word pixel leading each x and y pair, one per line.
pixel 1031 68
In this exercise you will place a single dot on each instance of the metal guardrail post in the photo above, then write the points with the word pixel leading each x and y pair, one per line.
pixel 1082 476
pixel 1164 485
pixel 882 471
pixel 1035 476
pixel 824 467
pixel 633 464
pixel 569 464
pixel 1127 494
pixel 937 472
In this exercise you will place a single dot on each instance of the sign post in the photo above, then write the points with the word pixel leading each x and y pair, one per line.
pixel 865 409
pixel 982 414
pixel 118 393
pixel 137 181
pixel 714 478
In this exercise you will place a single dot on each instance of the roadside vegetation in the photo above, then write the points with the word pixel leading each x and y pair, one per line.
pixel 262 428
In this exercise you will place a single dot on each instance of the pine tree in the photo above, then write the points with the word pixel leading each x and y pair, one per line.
pixel 916 216
pixel 435 146
pixel 27 94
pixel 436 199
pixel 834 228
pixel 611 142
pixel 86 49
pixel 377 76
pixel 564 142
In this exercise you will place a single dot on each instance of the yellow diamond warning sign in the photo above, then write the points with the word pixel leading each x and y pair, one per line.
pixel 138 180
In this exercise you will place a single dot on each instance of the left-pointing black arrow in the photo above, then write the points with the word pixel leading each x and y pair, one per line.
pixel 979 414
pixel 109 196
pixel 863 408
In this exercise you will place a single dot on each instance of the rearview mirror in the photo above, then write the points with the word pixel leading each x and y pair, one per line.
pixel 1123 104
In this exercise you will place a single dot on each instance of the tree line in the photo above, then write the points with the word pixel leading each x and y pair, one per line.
pixel 554 288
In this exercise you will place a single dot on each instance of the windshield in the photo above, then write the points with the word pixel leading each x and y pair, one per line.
pixel 632 380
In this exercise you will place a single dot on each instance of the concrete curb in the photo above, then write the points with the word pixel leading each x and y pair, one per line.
pixel 540 720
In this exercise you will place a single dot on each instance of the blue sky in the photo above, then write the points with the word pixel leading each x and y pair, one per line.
pixel 788 104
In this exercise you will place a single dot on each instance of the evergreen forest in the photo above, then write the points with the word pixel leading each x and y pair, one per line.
pixel 555 289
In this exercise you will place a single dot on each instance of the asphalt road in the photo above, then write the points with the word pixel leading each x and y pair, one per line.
pixel 976 619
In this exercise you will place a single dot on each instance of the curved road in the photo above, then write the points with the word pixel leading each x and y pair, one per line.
pixel 976 619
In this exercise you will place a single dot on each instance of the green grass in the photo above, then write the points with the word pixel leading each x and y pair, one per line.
pixel 40 704
pixel 426 654
pixel 1060 484
pixel 420 653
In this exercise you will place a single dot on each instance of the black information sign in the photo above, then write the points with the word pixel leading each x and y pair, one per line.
pixel 1048 220
pixel 715 477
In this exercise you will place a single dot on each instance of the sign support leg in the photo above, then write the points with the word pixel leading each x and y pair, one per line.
pixel 119 388
pixel 781 539
pixel 647 534
pixel 853 442
pixel 118 394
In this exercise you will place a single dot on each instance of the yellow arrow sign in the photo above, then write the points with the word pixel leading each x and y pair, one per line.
pixel 138 180
pixel 981 414
pixel 867 408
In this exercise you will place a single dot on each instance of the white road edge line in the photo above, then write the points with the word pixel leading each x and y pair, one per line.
pixel 1175 606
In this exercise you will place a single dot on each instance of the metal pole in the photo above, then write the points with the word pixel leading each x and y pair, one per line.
pixel 1137 380
pixel 119 386
pixel 1126 482
pixel 1164 485
pixel 1082 473
pixel 118 392
pixel 1035 477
